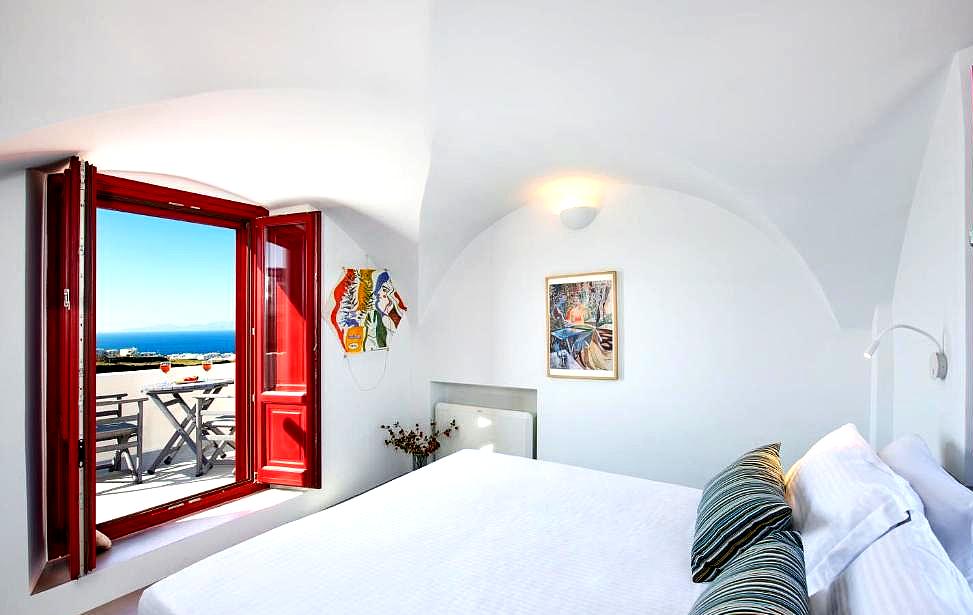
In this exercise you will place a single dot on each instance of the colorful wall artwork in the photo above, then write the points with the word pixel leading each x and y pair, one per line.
pixel 582 326
pixel 367 310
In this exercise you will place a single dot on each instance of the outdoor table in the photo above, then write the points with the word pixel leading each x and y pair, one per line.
pixel 182 433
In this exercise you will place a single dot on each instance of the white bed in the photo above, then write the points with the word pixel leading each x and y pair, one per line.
pixel 475 532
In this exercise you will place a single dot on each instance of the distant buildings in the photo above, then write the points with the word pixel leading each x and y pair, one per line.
pixel 117 353
pixel 104 354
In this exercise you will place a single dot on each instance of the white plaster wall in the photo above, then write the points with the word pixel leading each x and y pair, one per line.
pixel 930 288
pixel 355 458
pixel 726 343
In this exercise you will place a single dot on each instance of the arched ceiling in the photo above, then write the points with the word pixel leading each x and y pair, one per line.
pixel 271 146
pixel 430 118
pixel 809 119
pixel 280 103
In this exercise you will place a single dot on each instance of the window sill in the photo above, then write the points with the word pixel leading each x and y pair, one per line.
pixel 142 543
pixel 138 544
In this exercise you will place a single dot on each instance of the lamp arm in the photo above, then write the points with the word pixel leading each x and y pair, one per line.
pixel 939 364
pixel 938 344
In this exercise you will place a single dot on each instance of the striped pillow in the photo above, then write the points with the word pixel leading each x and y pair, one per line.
pixel 739 506
pixel 767 578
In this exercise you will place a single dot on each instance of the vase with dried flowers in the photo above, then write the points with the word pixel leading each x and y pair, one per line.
pixel 417 442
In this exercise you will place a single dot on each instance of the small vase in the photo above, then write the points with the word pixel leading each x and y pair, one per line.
pixel 419 461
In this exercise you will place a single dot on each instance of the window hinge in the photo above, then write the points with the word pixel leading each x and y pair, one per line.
pixel 80 453
pixel 970 237
pixel 67 298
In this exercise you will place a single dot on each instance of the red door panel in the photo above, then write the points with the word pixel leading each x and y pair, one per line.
pixel 288 261
pixel 287 425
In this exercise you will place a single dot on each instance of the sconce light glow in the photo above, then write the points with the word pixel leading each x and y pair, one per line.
pixel 574 198
pixel 938 364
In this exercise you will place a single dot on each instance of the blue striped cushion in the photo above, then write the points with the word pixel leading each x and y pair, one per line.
pixel 739 506
pixel 766 578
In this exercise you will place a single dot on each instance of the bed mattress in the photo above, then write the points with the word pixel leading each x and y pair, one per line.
pixel 475 532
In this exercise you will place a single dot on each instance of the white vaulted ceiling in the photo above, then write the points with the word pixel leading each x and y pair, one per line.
pixel 807 119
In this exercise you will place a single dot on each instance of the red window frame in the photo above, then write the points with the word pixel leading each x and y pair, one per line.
pixel 73 531
pixel 129 196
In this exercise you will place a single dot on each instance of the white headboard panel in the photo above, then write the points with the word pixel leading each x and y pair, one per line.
pixel 492 429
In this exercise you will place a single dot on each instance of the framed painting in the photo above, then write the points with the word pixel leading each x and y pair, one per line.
pixel 582 326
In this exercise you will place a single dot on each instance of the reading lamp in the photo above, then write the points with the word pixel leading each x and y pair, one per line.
pixel 938 365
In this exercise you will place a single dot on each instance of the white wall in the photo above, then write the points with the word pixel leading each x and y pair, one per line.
pixel 726 340
pixel 355 458
pixel 930 288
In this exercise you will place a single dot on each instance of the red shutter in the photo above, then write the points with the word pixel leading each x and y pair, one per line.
pixel 88 343
pixel 63 237
pixel 287 379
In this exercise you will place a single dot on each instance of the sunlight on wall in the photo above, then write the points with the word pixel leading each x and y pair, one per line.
pixel 557 193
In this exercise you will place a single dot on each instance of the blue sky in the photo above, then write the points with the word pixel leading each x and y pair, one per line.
pixel 156 274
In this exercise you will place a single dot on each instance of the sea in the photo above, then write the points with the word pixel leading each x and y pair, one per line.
pixel 169 342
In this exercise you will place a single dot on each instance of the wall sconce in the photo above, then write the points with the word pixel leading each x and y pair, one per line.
pixel 938 365
pixel 578 217
pixel 576 199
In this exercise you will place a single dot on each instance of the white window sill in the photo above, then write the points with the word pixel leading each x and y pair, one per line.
pixel 146 541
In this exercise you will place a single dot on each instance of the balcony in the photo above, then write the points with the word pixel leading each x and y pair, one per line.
pixel 118 494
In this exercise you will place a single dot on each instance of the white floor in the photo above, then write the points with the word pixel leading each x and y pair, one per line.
pixel 118 495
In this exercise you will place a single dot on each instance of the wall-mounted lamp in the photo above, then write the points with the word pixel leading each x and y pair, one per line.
pixel 576 199
pixel 938 365
pixel 578 217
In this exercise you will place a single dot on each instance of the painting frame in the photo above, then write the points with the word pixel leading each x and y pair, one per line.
pixel 610 276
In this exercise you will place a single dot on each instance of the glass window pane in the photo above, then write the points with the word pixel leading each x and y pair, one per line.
pixel 285 324
pixel 166 334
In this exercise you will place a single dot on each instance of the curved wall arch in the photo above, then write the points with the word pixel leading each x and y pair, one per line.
pixel 726 341
pixel 445 230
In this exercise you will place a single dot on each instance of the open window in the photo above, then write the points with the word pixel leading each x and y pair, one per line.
pixel 258 413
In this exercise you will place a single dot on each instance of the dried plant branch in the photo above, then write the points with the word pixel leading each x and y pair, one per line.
pixel 416 441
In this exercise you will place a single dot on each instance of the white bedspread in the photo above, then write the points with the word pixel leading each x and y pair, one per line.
pixel 475 532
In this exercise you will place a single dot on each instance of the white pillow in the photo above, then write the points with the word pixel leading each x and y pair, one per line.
pixel 843 498
pixel 905 572
pixel 948 504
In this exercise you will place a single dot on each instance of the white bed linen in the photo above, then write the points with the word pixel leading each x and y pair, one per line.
pixel 948 504
pixel 843 498
pixel 475 532
pixel 905 572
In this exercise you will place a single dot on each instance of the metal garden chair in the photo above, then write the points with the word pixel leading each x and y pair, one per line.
pixel 123 432
pixel 216 430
